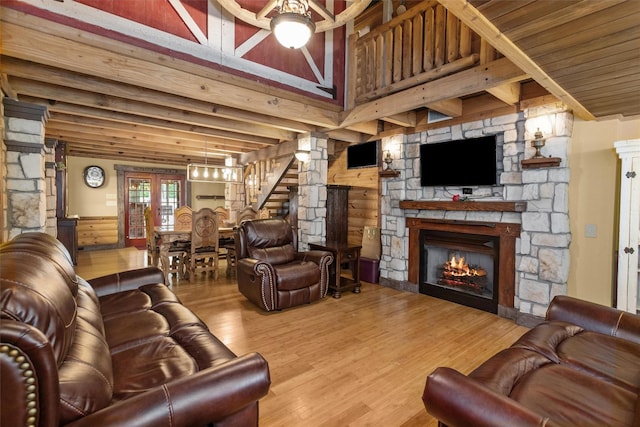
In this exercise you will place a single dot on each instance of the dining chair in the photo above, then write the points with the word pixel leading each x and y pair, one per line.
pixel 177 253
pixel 227 245
pixel 204 252
pixel 247 213
pixel 153 249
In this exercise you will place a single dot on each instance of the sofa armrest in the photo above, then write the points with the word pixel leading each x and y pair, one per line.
pixel 257 281
pixel 23 350
pixel 208 396
pixel 126 280
pixel 595 317
pixel 322 258
pixel 458 400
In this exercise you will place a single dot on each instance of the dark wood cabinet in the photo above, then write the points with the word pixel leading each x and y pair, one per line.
pixel 337 213
pixel 68 235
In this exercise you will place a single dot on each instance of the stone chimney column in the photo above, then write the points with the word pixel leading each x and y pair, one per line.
pixel 312 190
pixel 26 176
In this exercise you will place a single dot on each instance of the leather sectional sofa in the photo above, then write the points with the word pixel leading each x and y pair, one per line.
pixel 581 367
pixel 118 350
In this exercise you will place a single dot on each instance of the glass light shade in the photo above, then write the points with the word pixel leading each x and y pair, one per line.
pixel 292 29
pixel 201 173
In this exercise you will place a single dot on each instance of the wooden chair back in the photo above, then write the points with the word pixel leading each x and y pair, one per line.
pixel 223 214
pixel 246 214
pixel 204 242
pixel 152 247
pixel 183 218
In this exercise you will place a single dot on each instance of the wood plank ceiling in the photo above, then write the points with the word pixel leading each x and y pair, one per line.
pixel 110 100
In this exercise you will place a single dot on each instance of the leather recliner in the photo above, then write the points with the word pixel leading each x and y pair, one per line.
pixel 271 272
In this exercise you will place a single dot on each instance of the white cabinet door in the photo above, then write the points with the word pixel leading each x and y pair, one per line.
pixel 629 231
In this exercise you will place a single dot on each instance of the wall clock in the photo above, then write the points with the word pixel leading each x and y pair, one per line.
pixel 94 176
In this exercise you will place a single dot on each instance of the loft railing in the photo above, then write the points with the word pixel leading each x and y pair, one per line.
pixel 425 43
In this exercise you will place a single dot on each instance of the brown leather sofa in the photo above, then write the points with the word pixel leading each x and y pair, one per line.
pixel 119 350
pixel 581 367
pixel 271 272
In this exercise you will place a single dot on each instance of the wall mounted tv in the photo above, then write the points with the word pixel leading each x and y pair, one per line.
pixel 362 155
pixel 461 162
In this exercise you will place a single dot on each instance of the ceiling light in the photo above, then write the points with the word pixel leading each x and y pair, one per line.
pixel 292 25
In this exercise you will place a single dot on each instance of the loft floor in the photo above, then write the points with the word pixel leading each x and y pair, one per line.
pixel 360 360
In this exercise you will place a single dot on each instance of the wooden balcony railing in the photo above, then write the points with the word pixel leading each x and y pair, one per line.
pixel 425 43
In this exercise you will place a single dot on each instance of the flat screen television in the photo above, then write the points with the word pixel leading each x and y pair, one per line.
pixel 461 162
pixel 362 155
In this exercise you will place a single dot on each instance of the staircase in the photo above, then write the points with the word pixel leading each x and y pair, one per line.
pixel 267 182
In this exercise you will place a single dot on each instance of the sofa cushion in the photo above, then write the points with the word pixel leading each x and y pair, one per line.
pixel 593 352
pixel 569 397
pixel 168 342
pixel 86 375
pixel 49 247
pixel 50 308
pixel 274 255
pixel 143 298
pixel 296 275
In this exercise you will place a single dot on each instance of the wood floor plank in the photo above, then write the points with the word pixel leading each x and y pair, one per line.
pixel 361 360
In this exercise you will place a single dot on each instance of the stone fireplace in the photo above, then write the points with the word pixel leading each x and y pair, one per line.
pixel 531 202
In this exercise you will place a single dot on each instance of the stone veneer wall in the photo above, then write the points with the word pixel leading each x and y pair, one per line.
pixel 30 186
pixel 312 190
pixel 542 252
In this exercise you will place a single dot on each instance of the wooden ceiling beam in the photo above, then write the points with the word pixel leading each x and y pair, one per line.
pixel 170 135
pixel 448 107
pixel 58 85
pixel 31 45
pixel 508 93
pixel 80 112
pixel 151 142
pixel 464 83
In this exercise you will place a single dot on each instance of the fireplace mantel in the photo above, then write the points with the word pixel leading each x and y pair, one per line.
pixel 447 205
pixel 506 232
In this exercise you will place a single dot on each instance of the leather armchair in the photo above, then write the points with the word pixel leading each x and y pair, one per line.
pixel 271 272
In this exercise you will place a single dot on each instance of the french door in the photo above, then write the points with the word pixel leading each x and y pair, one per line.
pixel 163 193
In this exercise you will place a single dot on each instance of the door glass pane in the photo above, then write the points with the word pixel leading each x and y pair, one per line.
pixel 169 199
pixel 139 199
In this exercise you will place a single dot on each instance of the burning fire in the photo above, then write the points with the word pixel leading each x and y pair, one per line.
pixel 458 267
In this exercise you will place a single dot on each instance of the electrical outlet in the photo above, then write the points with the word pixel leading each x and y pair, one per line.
pixel 467 190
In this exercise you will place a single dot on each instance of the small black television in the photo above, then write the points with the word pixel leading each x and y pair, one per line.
pixel 461 162
pixel 362 155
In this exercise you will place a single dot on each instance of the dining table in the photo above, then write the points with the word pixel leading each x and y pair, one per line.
pixel 168 234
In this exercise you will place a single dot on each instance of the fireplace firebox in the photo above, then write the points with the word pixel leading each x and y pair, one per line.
pixel 461 268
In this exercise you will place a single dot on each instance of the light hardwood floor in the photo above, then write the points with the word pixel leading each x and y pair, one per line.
pixel 360 360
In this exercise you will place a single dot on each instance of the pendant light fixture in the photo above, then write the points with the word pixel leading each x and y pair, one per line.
pixel 210 173
pixel 292 25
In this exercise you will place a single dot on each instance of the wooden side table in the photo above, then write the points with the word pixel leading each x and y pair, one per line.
pixel 345 270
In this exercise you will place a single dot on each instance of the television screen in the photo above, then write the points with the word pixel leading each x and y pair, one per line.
pixel 461 162
pixel 362 155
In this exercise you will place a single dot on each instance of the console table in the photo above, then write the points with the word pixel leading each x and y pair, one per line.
pixel 345 270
